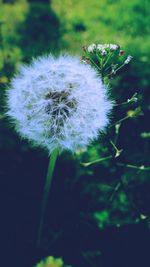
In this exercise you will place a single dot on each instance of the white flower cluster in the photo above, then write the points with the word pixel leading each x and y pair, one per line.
pixel 91 48
pixel 102 48
pixel 58 103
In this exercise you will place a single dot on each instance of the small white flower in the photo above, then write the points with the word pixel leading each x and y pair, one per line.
pixel 102 47
pixel 91 48
pixel 58 103
pixel 103 52
pixel 113 71
pixel 113 47
pixel 99 47
pixel 106 46
pixel 129 58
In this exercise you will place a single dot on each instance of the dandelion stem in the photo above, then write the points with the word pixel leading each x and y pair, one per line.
pixel 47 186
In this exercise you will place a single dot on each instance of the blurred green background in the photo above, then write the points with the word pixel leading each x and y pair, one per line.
pixel 98 215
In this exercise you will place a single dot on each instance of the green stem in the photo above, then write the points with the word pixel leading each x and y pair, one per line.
pixel 102 70
pixel 120 67
pixel 87 164
pixel 47 186
pixel 141 168
pixel 108 57
pixel 96 66
pixel 121 120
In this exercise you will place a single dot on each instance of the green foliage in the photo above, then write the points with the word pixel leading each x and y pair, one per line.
pixel 106 21
pixel 51 262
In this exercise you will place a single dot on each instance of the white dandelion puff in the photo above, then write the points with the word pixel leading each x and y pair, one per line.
pixel 58 103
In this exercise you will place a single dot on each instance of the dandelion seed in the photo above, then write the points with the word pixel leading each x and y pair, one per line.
pixel 58 103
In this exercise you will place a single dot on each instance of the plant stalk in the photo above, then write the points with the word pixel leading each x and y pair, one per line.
pixel 47 187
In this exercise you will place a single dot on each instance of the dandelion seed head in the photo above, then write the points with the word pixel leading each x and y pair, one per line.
pixel 58 103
